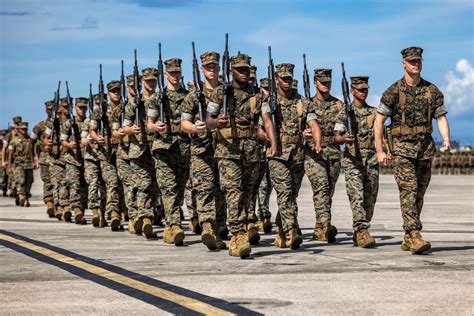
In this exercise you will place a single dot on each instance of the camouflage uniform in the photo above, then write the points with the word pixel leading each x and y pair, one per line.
pixel 323 169
pixel 74 163
pixel 287 169
pixel 22 167
pixel 204 173
pixel 3 170
pixel 411 109
pixel 361 168
pixel 171 148
pixel 106 154
pixel 237 153
pixel 43 158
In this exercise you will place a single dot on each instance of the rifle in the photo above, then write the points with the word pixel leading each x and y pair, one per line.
pixel 347 101
pixel 91 100
pixel 54 118
pixel 272 95
pixel 101 101
pixel 307 89
pixel 197 84
pixel 137 88
pixel 123 96
pixel 75 135
pixel 225 74
pixel 161 84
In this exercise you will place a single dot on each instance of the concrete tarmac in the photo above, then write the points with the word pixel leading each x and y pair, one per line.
pixel 50 277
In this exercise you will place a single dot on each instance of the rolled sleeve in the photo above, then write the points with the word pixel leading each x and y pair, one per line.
pixel 84 134
pixel 384 109
pixel 64 137
pixel 338 127
pixel 152 113
pixel 311 117
pixel 187 116
pixel 93 123
pixel 33 136
pixel 212 108
pixel 266 108
pixel 48 131
pixel 127 122
pixel 115 125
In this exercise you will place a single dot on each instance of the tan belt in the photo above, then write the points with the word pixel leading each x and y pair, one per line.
pixel 405 130
pixel 291 139
pixel 226 133
pixel 366 144
pixel 325 140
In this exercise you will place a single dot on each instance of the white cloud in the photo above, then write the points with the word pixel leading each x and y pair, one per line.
pixel 459 92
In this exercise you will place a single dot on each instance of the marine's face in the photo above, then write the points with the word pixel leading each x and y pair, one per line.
pixel 211 71
pixel 81 110
pixel 360 94
pixel 149 84
pixel 412 66
pixel 114 95
pixel 241 74
pixel 323 87
pixel 284 82
pixel 173 77
pixel 131 91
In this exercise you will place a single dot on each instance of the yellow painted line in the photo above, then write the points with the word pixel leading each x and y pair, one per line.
pixel 184 301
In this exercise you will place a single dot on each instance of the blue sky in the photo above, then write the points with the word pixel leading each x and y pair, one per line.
pixel 46 41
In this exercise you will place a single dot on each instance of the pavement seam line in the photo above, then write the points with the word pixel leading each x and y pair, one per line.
pixel 184 301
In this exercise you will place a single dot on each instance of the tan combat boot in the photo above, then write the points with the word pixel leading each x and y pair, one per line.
pixel 102 220
pixel 58 213
pixel 363 239
pixel 239 247
pixel 138 225
pixel 194 226
pixel 406 242
pixel 147 228
pixel 252 234
pixel 115 221
pixel 418 244
pixel 21 200
pixel 78 216
pixel 318 233
pixel 50 209
pixel 67 214
pixel 168 235
pixel 294 240
pixel 208 237
pixel 177 235
pixel 259 225
pixel 280 238
pixel 27 203
pixel 95 217
pixel 330 232
pixel 267 225
pixel 130 227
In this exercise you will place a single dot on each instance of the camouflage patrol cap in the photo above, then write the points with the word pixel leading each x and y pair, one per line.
pixel 412 53
pixel 240 60
pixel 80 102
pixel 23 125
pixel 294 84
pixel 64 101
pixel 130 80
pixel 284 70
pixel 360 82
pixel 113 85
pixel 173 64
pixel 49 104
pixel 253 72
pixel 264 82
pixel 16 119
pixel 209 58
pixel 96 98
pixel 323 75
pixel 149 74
pixel 3 132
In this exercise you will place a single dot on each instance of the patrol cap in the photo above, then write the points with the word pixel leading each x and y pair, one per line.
pixel 130 79
pixel 284 70
pixel 253 72
pixel 149 74
pixel 49 104
pixel 173 64
pixel 23 125
pixel 294 84
pixel 323 75
pixel 209 58
pixel 80 102
pixel 360 82
pixel 64 101
pixel 96 98
pixel 264 83
pixel 113 85
pixel 16 119
pixel 3 132
pixel 412 53
pixel 240 60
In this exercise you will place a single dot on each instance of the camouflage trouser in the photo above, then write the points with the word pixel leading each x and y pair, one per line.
pixel 190 196
pixel 221 204
pixel 237 180
pixel 76 185
pixel 95 185
pixel 203 170
pixel 3 179
pixel 362 186
pixel 23 179
pixel 47 185
pixel 58 180
pixel 171 179
pixel 142 186
pixel 286 179
pixel 264 191
pixel 11 184
pixel 412 177
pixel 322 174
pixel 125 187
